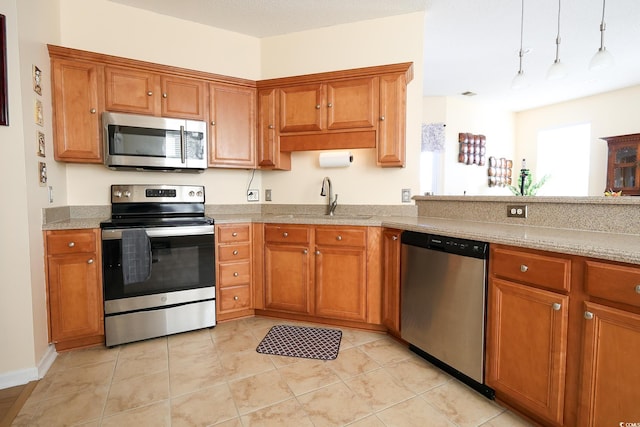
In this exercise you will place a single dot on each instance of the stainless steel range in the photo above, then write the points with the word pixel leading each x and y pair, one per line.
pixel 158 254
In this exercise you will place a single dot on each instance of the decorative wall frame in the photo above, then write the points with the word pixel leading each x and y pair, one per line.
pixel 41 143
pixel 472 149
pixel 37 79
pixel 499 172
pixel 4 101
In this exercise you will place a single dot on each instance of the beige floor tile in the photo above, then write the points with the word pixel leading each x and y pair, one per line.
pixel 370 421
pixel 358 337
pixel 228 328
pixel 507 419
pixel 460 404
pixel 204 407
pixel 90 356
pixel 28 414
pixel 197 335
pixel 379 389
pixel 334 405
pixel 137 392
pixel 259 391
pixel 235 422
pixel 245 364
pixel 386 350
pixel 157 414
pixel 417 374
pixel 156 346
pixel 192 350
pixel 308 375
pixel 414 412
pixel 194 373
pixel 81 378
pixel 280 361
pixel 141 364
pixel 72 409
pixel 352 362
pixel 284 414
pixel 241 341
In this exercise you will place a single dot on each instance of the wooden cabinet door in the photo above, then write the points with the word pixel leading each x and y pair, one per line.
pixel 391 279
pixel 391 121
pixel 526 347
pixel 75 296
pixel 609 394
pixel 341 283
pixel 232 127
pixel 352 104
pixel 269 155
pixel 302 109
pixel 287 278
pixel 183 98
pixel 132 91
pixel 77 105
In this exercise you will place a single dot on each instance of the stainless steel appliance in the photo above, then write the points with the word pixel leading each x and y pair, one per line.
pixel 443 303
pixel 158 269
pixel 138 142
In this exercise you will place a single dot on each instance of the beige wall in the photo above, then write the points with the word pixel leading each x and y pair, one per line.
pixel 610 114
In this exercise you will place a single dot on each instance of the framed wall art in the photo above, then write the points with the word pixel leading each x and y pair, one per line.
pixel 4 102
pixel 40 141
pixel 37 80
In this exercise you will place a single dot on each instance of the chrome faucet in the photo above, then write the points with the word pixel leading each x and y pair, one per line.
pixel 327 191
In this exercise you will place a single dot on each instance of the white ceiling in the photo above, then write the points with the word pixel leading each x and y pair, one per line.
pixel 470 45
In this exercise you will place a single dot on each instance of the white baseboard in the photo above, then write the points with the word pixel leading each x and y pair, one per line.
pixel 23 376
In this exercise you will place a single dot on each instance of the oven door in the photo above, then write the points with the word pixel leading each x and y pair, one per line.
pixel 182 269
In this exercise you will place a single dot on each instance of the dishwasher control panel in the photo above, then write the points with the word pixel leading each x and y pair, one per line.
pixel 453 245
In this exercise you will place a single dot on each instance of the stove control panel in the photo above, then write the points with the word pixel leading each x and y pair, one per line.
pixel 157 194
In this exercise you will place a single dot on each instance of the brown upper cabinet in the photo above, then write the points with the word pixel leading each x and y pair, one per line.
pixel 623 167
pixel 141 92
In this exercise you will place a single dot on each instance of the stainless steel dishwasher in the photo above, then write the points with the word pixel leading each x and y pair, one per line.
pixel 443 303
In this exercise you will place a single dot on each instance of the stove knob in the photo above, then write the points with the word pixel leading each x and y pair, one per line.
pixel 117 194
pixel 192 193
pixel 199 193
pixel 127 194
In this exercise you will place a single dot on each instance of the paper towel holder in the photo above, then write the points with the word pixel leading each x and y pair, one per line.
pixel 335 159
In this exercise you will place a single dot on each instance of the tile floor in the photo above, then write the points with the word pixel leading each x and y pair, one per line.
pixel 215 377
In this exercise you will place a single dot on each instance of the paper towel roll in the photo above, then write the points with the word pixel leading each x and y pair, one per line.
pixel 336 159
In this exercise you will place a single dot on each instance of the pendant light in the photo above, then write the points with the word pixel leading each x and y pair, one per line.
pixel 557 70
pixel 519 81
pixel 602 59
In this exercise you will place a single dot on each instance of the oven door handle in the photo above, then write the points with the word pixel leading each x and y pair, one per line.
pixel 183 148
pixel 116 234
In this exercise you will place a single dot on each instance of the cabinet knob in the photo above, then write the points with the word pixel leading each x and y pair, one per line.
pixel 234 234
pixel 317 252
pixel 637 289
pixel 90 261
pixel 92 111
pixel 149 93
pixel 317 106
pixel 213 123
pixel 556 306
pixel 338 238
pixel 71 244
pixel 235 252
pixel 523 268
pixel 235 274
pixel 236 298
pixel 271 126
pixel 306 251
pixel 164 95
pixel 394 237
pixel 382 118
pixel 329 105
pixel 588 315
pixel 285 234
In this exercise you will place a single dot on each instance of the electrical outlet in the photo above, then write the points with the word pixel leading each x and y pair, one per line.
pixel 517 211
pixel 267 195
pixel 406 195
pixel 253 195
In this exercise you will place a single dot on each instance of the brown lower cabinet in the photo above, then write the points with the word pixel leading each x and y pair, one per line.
pixel 391 246
pixel 74 288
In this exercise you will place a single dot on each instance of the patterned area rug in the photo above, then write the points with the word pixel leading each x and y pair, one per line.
pixel 300 341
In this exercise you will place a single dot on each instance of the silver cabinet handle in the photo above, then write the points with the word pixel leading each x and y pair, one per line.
pixel 339 238
pixel 394 238
pixel 234 234
pixel 285 234
pixel 164 95
pixel 92 111
pixel 588 315
pixel 382 118
pixel 235 252
pixel 523 268
pixel 637 289
pixel 556 306
pixel 149 93
pixel 235 274
pixel 71 244
pixel 213 123
pixel 317 252
pixel 329 105
pixel 236 298
pixel 271 126
pixel 90 261
pixel 317 106
pixel 183 146
pixel 306 251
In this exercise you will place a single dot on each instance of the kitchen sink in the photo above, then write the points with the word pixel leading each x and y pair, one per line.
pixel 320 216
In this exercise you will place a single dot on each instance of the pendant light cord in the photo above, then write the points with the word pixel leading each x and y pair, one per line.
pixel 520 54
pixel 603 26
pixel 558 36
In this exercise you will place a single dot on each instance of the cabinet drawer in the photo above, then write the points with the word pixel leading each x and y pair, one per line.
pixel 286 234
pixel 553 272
pixel 234 273
pixel 69 242
pixel 234 252
pixel 235 297
pixel 341 237
pixel 234 233
pixel 613 282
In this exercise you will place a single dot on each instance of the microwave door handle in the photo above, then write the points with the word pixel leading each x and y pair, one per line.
pixel 183 151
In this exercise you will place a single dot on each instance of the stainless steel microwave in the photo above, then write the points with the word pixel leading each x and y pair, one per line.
pixel 138 142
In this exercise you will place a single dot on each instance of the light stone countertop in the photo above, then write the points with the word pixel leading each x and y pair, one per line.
pixel 596 244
